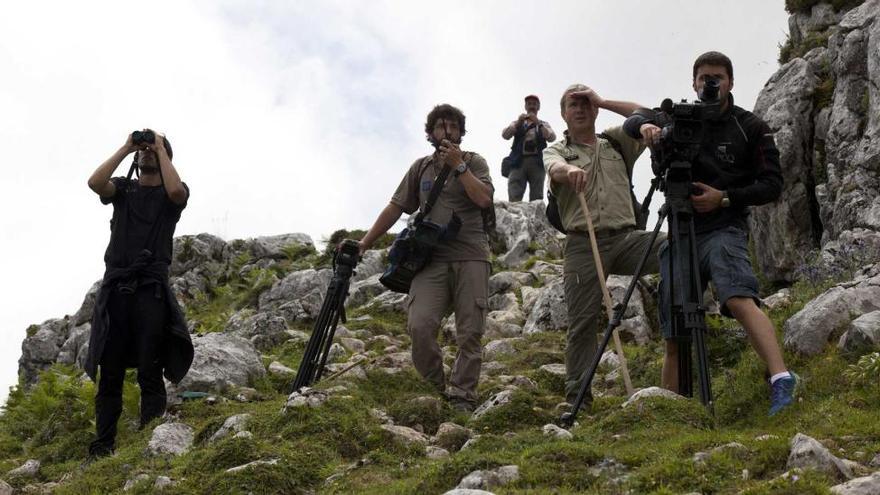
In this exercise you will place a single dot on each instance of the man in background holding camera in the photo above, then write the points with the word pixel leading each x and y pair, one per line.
pixel 458 271
pixel 530 137
pixel 737 167
pixel 584 163
pixel 137 321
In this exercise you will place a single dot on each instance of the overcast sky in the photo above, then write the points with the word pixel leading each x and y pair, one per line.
pixel 303 116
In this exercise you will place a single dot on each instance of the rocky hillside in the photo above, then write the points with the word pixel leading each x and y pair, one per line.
pixel 373 426
pixel 824 107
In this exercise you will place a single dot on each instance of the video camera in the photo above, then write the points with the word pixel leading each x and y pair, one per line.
pixel 683 127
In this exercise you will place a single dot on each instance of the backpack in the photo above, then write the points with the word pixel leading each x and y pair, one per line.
pixel 640 210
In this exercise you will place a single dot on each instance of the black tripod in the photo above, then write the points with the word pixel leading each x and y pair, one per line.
pixel 686 294
pixel 312 365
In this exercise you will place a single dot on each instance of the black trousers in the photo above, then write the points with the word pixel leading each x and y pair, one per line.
pixel 531 172
pixel 137 326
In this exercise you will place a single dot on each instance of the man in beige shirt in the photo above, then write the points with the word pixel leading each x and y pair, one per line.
pixel 530 137
pixel 458 273
pixel 584 163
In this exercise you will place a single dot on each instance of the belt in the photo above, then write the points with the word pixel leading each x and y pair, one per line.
pixel 605 234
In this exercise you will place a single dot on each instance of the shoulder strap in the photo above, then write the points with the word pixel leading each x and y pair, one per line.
pixel 439 182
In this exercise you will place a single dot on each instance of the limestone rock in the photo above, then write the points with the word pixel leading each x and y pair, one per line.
pixel 131 483
pixel 499 399
pixel 371 265
pixel 432 452
pixel 306 397
pixel 551 430
pixel 782 229
pixel 406 435
pixel 549 311
pixel 523 225
pixel 264 329
pixel 262 462
pixel 505 282
pixel 276 368
pixel 86 309
pixel 276 246
pixel 634 325
pixel 809 329
pixel 868 485
pixel 29 469
pixel 232 425
pixel 364 290
pixel 503 302
pixel 163 482
pixel 650 392
pixel 76 347
pixel 498 348
pixel 221 362
pixel 170 439
pixel 198 251
pixel 390 301
pixel 452 436
pixel 490 479
pixel 40 349
pixel 807 453
pixel 306 287
pixel 862 335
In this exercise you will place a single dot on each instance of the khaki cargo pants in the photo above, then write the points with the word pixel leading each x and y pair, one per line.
pixel 620 253
pixel 463 285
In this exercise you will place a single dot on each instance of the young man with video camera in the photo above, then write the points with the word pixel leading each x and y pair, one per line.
pixel 457 274
pixel 530 137
pixel 586 163
pixel 137 322
pixel 737 167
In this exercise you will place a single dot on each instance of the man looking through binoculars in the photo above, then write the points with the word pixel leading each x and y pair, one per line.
pixel 137 321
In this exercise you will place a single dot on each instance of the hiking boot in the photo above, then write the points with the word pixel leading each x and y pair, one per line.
pixel 782 393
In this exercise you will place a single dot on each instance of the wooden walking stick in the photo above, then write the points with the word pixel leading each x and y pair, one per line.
pixel 609 306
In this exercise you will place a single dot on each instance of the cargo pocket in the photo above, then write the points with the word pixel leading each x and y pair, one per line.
pixel 482 311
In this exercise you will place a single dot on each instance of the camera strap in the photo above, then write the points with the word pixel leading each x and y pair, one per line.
pixel 439 182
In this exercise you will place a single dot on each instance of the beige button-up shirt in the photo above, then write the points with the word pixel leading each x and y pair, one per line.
pixel 608 184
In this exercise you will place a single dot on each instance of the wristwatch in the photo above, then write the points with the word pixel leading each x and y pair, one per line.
pixel 725 201
pixel 462 168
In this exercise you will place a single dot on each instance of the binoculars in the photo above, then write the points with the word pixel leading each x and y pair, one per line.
pixel 143 137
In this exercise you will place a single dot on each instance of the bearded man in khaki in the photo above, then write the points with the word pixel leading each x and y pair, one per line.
pixel 458 273
pixel 584 163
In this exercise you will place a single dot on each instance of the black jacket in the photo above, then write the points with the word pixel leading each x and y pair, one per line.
pixel 738 155
pixel 176 352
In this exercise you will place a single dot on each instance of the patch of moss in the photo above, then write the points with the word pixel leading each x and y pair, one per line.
pixel 524 409
pixel 805 6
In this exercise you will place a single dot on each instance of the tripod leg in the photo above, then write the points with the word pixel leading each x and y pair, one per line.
pixel 331 332
pixel 568 418
pixel 699 327
pixel 306 372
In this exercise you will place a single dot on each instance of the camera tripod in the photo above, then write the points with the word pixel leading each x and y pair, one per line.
pixel 333 308
pixel 686 295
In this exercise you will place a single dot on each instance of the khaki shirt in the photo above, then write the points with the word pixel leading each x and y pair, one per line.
pixel 608 184
pixel 472 242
